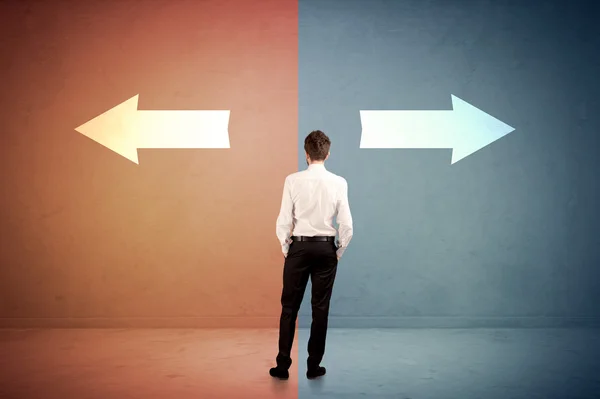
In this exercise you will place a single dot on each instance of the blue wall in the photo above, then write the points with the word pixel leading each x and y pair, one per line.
pixel 508 235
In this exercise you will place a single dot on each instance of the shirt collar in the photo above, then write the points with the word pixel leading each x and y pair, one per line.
pixel 316 166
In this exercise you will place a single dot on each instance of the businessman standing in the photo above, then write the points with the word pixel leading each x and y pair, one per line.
pixel 311 200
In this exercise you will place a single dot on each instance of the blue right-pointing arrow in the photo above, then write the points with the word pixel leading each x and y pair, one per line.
pixel 465 129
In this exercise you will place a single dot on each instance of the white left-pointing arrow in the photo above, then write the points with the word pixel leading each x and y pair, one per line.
pixel 123 129
pixel 465 129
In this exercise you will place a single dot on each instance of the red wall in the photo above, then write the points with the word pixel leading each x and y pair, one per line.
pixel 187 237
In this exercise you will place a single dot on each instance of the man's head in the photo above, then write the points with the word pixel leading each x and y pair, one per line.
pixel 316 146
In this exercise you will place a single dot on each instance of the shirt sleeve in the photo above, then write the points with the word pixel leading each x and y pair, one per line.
pixel 344 220
pixel 285 220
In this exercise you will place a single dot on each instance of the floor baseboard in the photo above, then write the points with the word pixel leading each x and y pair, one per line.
pixel 457 322
pixel 303 322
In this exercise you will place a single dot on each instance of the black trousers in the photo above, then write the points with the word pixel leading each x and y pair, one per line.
pixel 317 260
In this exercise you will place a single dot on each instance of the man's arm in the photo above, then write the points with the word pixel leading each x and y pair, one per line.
pixel 285 220
pixel 344 219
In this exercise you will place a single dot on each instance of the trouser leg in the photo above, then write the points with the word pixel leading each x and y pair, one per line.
pixel 295 278
pixel 322 279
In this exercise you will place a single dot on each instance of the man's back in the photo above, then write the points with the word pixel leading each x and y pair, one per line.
pixel 314 196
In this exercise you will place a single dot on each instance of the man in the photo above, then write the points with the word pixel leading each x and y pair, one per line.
pixel 311 199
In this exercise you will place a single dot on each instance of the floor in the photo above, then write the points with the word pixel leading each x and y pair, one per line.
pixel 362 363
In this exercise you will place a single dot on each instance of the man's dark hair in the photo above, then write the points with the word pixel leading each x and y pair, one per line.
pixel 317 144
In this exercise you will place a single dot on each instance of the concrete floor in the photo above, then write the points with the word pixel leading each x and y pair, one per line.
pixel 231 364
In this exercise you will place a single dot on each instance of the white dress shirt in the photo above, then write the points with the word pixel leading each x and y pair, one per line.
pixel 311 199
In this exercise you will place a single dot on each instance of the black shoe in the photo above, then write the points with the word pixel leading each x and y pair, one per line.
pixel 315 373
pixel 280 373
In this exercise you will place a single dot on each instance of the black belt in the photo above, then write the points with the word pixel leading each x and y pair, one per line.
pixel 316 238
